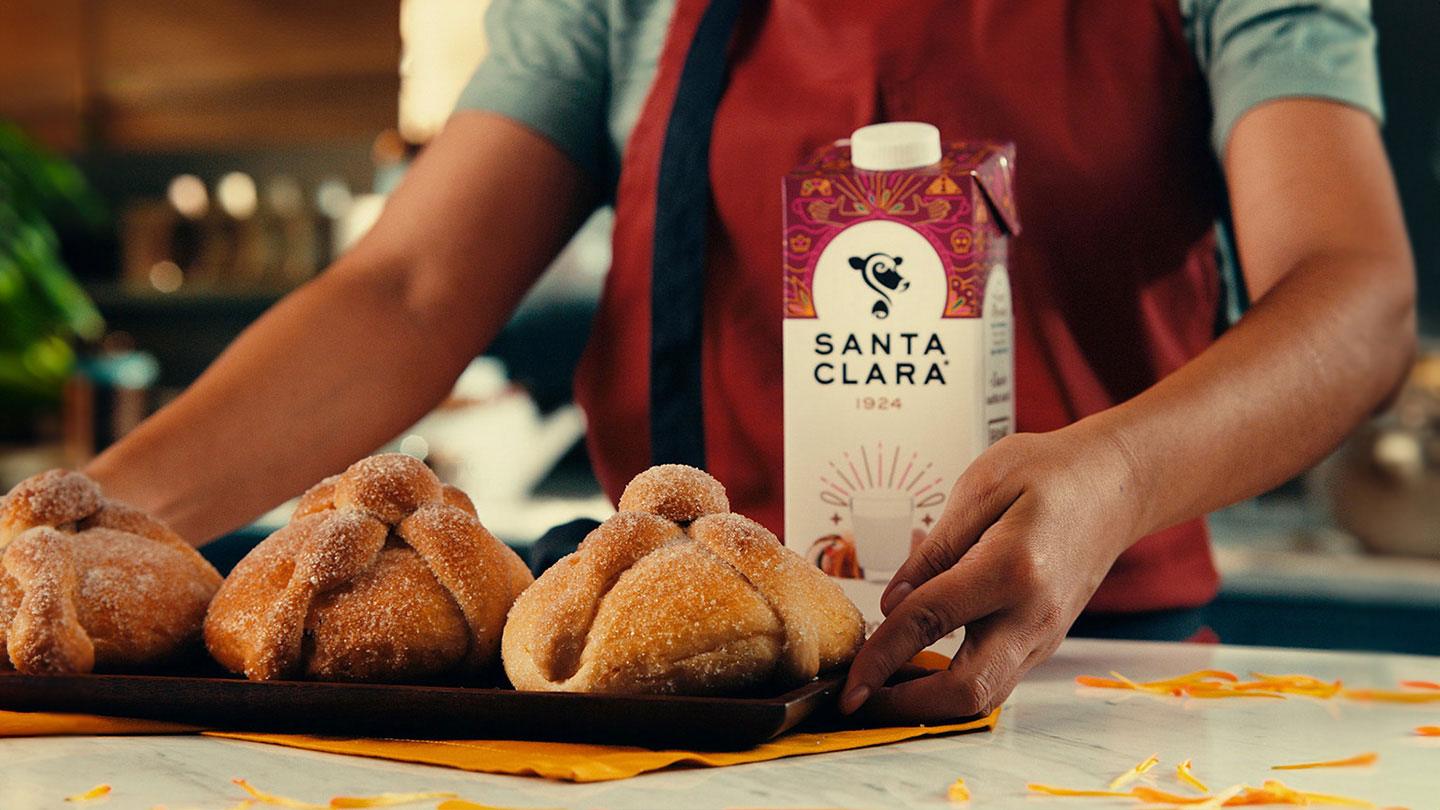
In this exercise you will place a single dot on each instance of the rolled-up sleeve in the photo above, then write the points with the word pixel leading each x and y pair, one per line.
pixel 546 67
pixel 1253 51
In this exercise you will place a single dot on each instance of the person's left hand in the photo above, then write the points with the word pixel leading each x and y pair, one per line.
pixel 1029 531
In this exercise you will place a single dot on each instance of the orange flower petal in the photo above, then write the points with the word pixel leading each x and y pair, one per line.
pixel 1420 684
pixel 1199 692
pixel 1297 680
pixel 1103 683
pixel 1056 791
pixel 1391 696
pixel 958 792
pixel 1154 796
pixel 1225 798
pixel 386 799
pixel 1198 675
pixel 93 793
pixel 464 804
pixel 1367 758
pixel 1428 731
pixel 1134 773
pixel 270 798
pixel 1183 772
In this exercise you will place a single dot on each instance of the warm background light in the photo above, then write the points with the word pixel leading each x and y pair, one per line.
pixel 442 42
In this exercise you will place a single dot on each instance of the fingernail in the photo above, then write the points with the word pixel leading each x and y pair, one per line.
pixel 896 595
pixel 854 699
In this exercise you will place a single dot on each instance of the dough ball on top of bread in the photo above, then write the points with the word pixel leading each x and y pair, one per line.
pixel 382 574
pixel 676 595
pixel 91 583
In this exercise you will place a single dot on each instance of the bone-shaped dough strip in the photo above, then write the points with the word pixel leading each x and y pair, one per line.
pixel 472 572
pixel 778 577
pixel 332 548
pixel 608 552
pixel 46 629
pixel 10 595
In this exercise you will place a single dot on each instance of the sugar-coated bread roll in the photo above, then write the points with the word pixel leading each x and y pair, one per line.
pixel 90 583
pixel 382 574
pixel 646 605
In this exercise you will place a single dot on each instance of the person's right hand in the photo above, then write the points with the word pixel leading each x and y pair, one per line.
pixel 1028 533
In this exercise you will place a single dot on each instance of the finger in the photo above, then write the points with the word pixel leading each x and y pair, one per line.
pixel 939 606
pixel 894 705
pixel 989 665
pixel 979 497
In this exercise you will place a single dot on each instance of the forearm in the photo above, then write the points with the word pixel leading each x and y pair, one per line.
pixel 343 364
pixel 327 375
pixel 1322 242
pixel 1272 396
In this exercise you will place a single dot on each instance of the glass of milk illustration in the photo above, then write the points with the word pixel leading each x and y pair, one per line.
pixel 881 521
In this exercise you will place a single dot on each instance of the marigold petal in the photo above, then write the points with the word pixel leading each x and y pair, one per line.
pixel 1367 758
pixel 1055 791
pixel 958 792
pixel 1134 773
pixel 1103 683
pixel 1193 677
pixel 93 793
pixel 1126 680
pixel 1294 680
pixel 1225 798
pixel 1391 696
pixel 387 799
pixel 465 804
pixel 1183 772
pixel 1197 692
pixel 1147 794
pixel 1428 731
pixel 1420 684
pixel 270 798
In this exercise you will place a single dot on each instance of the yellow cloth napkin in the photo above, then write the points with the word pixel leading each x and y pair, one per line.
pixel 42 724
pixel 597 763
pixel 566 761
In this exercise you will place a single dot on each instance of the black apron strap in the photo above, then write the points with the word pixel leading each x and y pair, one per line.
pixel 677 289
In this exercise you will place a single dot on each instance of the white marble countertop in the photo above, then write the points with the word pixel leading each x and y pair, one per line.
pixel 1051 731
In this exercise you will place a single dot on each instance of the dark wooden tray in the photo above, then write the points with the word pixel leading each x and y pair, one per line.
pixel 423 712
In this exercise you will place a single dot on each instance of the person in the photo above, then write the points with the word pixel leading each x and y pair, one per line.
pixel 1137 126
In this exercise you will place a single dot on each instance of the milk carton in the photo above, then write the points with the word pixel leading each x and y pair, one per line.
pixel 897 341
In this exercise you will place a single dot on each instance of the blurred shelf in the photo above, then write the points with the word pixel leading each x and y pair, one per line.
pixel 184 330
pixel 120 297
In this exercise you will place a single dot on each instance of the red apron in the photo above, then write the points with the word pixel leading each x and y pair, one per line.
pixel 1114 277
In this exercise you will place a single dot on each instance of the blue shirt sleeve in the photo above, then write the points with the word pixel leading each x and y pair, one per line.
pixel 546 67
pixel 1253 51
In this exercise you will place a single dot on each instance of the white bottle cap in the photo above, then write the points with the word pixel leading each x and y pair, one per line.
pixel 896 145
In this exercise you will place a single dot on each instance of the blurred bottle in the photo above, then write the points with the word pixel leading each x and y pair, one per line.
pixel 109 393
pixel 291 249
pixel 237 203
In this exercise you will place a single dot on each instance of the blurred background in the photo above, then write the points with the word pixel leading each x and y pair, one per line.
pixel 170 169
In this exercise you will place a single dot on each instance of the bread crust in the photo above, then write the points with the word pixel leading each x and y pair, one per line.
pixel 87 582
pixel 646 605
pixel 382 574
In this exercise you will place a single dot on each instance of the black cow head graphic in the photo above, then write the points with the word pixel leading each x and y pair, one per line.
pixel 881 273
